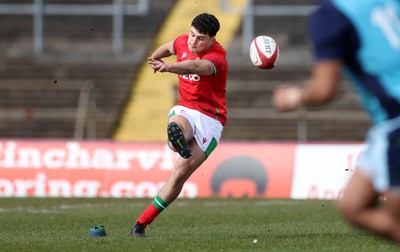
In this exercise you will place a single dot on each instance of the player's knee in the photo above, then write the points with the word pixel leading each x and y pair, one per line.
pixel 348 209
pixel 345 208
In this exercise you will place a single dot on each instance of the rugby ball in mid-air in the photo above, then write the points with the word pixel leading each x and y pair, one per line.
pixel 264 52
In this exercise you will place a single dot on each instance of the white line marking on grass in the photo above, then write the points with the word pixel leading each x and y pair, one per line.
pixel 64 207
pixel 276 203
pixel 42 211
pixel 239 203
pixel 215 204
pixel 29 210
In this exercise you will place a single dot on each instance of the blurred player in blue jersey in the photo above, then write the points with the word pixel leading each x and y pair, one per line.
pixel 361 40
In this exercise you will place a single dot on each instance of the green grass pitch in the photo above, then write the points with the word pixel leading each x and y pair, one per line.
pixel 216 224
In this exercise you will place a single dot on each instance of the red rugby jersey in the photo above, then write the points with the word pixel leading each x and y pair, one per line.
pixel 205 93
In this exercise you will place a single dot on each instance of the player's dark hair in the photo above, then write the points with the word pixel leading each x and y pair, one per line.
pixel 206 23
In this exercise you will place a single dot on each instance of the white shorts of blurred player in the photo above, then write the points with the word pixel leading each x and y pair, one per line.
pixel 206 130
pixel 381 160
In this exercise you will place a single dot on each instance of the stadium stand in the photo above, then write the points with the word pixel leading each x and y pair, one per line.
pixel 39 93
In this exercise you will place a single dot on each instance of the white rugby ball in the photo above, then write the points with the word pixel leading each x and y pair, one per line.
pixel 264 52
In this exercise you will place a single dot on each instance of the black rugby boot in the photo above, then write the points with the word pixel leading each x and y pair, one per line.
pixel 177 140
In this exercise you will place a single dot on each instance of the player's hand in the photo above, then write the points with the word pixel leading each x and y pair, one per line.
pixel 157 65
pixel 286 98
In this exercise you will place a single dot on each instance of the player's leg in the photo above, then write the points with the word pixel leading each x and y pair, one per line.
pixel 182 170
pixel 375 176
pixel 180 132
pixel 393 208
pixel 202 134
pixel 171 189
pixel 358 204
pixel 361 207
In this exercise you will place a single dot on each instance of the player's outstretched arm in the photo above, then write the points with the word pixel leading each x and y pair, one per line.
pixel 321 88
pixel 200 67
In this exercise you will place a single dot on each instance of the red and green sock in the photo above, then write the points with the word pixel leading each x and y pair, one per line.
pixel 152 211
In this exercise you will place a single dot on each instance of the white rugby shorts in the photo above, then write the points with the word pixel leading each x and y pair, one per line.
pixel 381 160
pixel 206 130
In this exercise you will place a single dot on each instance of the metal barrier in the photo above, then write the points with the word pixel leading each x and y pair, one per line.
pixel 86 111
pixel 38 9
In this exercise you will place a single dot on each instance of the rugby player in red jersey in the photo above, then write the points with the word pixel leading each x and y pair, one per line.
pixel 196 122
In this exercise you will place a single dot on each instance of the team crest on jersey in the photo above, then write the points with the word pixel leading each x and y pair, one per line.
pixel 183 55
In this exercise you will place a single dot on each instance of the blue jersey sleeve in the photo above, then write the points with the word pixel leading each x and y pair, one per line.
pixel 331 33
